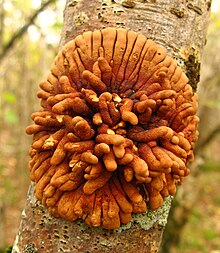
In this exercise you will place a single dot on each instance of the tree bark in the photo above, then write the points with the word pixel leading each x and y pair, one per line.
pixel 179 26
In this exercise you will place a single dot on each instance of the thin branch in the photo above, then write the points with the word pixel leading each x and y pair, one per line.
pixel 2 16
pixel 207 140
pixel 19 33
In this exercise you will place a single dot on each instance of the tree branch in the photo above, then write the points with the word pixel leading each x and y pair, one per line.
pixel 203 143
pixel 19 33
pixel 2 14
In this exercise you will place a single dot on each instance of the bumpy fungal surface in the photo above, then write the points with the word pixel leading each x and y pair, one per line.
pixel 116 129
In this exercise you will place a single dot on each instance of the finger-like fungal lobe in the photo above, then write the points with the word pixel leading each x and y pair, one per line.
pixel 115 131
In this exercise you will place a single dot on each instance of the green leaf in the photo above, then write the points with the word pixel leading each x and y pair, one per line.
pixel 210 234
pixel 9 97
pixel 213 103
pixel 57 25
pixel 11 117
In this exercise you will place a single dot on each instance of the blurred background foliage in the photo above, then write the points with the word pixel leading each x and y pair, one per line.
pixel 29 40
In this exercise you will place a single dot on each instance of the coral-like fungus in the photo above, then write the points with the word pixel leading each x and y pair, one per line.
pixel 116 129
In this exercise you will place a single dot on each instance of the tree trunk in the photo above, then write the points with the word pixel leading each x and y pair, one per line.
pixel 179 26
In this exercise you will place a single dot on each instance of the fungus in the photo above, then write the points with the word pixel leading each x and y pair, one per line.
pixel 116 129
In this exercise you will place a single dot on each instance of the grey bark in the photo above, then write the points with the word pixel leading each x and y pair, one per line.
pixel 179 26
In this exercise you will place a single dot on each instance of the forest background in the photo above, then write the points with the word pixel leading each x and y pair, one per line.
pixel 29 40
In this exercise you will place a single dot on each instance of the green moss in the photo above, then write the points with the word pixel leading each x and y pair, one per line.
pixel 6 250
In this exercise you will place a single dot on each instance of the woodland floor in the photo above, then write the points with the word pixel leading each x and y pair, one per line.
pixel 202 232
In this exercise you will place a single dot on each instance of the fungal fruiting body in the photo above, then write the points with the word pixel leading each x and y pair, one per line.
pixel 115 131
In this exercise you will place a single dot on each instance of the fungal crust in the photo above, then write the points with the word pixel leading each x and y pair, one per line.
pixel 116 129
